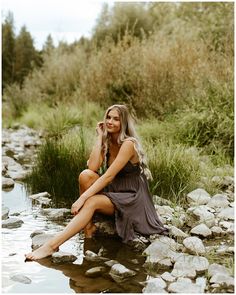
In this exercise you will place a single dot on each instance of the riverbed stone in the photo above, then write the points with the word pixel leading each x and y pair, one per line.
pixel 95 271
pixel 217 231
pixel 202 283
pixel 91 256
pixel 225 249
pixel 161 253
pixel 226 214
pixel 194 245
pixel 21 279
pixel 184 285
pixel 63 257
pixel 177 233
pixel 200 214
pixel 56 214
pixel 198 263
pixel 201 230
pixel 166 276
pixel 198 197
pixel 7 183
pixel 155 285
pixel 39 195
pixel 223 280
pixel 5 213
pixel 229 226
pixel 119 272
pixel 40 239
pixel 12 223
pixel 110 262
pixel 218 201
pixel 183 269
pixel 216 268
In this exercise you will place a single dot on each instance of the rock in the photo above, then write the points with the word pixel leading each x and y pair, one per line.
pixel 218 201
pixel 228 181
pixel 91 256
pixel 183 269
pixel 119 272
pixel 36 232
pixel 177 233
pixel 223 280
pixel 63 257
pixel 40 239
pixel 12 223
pixel 95 271
pixel 201 282
pixel 139 243
pixel 201 230
pixel 227 213
pixel 197 263
pixel 111 262
pixel 194 245
pixel 166 276
pixel 56 214
pixel 225 249
pixel 21 279
pixel 7 183
pixel 39 195
pixel 227 225
pixel 184 285
pixel 161 201
pixel 216 268
pixel 217 231
pixel 155 285
pixel 198 197
pixel 5 213
pixel 161 252
pixel 200 214
pixel 44 202
pixel 18 175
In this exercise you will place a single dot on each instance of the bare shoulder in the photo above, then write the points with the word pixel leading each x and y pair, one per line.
pixel 128 144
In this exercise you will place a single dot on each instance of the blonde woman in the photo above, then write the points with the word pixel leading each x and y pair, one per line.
pixel 121 190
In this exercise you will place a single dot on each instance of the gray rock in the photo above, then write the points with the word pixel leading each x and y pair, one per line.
pixel 12 223
pixel 161 201
pixel 227 225
pixel 200 214
pixel 201 230
pixel 217 231
pixel 216 268
pixel 222 280
pixel 91 256
pixel 194 245
pixel 119 273
pixel 7 183
pixel 111 262
pixel 218 201
pixel 166 276
pixel 5 213
pixel 155 285
pixel 56 214
pixel 95 271
pixel 161 252
pixel 18 175
pixel 225 249
pixel 40 239
pixel 63 257
pixel 21 279
pixel 183 269
pixel 177 233
pixel 198 263
pixel 36 232
pixel 201 282
pixel 39 195
pixel 184 285
pixel 226 214
pixel 198 197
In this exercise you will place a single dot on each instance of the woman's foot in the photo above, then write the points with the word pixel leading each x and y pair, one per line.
pixel 89 231
pixel 42 252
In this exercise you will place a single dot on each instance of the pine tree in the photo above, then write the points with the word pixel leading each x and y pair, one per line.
pixel 48 45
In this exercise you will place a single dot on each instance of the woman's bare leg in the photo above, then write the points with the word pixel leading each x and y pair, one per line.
pixel 86 178
pixel 98 202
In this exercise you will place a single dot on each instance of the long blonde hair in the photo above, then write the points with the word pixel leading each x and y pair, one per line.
pixel 127 132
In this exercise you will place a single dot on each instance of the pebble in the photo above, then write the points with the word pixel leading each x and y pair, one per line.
pixel 7 183
pixel 63 257
pixel 119 272
pixel 12 223
pixel 95 271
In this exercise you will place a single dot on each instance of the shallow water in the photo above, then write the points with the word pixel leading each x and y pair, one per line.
pixel 47 277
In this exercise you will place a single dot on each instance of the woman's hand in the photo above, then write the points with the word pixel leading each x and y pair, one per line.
pixel 100 128
pixel 77 205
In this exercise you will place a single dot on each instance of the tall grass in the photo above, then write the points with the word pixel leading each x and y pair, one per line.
pixel 58 165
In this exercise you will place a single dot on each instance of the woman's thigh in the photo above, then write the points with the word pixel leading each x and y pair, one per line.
pixel 102 204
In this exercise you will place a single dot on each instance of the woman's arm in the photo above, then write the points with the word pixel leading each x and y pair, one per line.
pixel 125 154
pixel 96 157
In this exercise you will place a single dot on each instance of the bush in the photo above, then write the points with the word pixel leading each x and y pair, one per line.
pixel 58 165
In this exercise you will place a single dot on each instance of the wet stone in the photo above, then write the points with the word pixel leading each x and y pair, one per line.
pixel 7 183
pixel 40 239
pixel 39 195
pixel 36 232
pixel 5 213
pixel 21 279
pixel 63 257
pixel 95 271
pixel 119 272
pixel 91 256
pixel 56 214
pixel 12 223
pixel 111 262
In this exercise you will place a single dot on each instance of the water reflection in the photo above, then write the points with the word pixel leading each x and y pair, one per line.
pixel 113 249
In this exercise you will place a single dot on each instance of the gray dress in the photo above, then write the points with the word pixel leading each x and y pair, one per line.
pixel 134 209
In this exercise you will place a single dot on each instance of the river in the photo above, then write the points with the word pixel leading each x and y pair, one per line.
pixel 47 277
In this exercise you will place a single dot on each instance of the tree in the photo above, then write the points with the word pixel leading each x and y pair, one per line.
pixel 26 55
pixel 48 45
pixel 8 50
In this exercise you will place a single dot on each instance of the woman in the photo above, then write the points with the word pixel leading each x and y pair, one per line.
pixel 122 190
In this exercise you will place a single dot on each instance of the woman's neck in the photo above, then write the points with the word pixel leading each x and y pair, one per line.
pixel 114 138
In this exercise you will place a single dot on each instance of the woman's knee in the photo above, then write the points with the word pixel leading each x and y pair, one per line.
pixel 87 175
pixel 91 203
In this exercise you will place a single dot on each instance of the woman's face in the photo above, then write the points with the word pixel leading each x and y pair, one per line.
pixel 113 121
